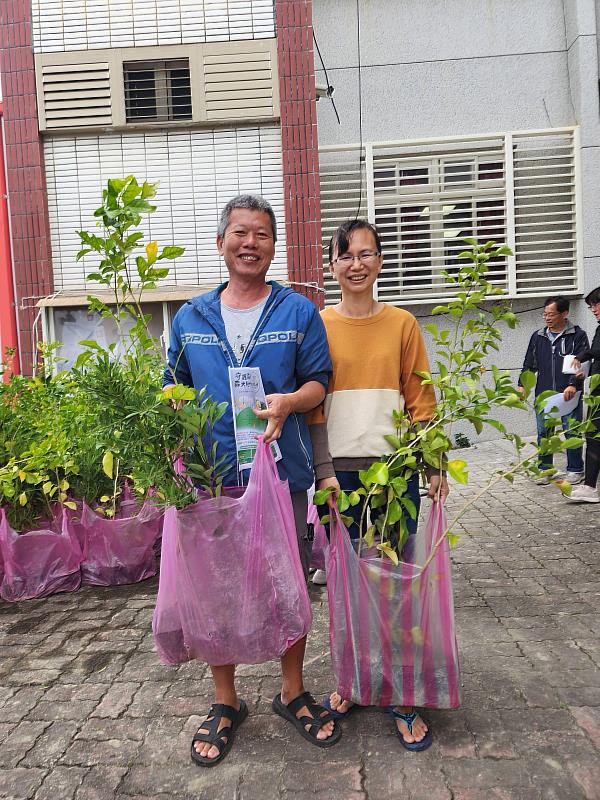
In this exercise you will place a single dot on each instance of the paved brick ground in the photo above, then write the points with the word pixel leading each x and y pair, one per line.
pixel 87 711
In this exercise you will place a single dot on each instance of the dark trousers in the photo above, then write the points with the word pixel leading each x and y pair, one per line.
pixel 592 449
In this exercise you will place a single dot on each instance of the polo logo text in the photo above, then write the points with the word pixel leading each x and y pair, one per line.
pixel 275 337
pixel 200 338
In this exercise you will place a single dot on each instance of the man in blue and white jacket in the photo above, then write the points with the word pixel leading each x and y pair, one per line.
pixel 251 322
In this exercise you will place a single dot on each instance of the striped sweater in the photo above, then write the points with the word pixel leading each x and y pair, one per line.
pixel 374 363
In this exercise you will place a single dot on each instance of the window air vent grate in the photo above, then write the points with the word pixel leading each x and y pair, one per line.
pixel 157 91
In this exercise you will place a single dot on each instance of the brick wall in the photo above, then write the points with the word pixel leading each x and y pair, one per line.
pixel 24 171
pixel 300 145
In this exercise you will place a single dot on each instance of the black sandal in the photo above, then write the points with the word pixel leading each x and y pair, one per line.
pixel 315 723
pixel 221 739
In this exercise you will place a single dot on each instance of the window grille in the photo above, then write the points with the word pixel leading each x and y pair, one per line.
pixel 427 196
pixel 157 91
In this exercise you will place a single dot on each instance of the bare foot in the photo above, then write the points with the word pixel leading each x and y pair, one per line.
pixel 324 732
pixel 207 750
pixel 338 704
pixel 419 728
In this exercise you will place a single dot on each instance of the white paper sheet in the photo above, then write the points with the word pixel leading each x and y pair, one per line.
pixel 557 406
pixel 569 369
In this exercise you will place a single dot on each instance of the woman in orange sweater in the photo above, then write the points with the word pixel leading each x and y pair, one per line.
pixel 376 350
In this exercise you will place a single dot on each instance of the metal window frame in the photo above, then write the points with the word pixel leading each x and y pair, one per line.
pixel 507 188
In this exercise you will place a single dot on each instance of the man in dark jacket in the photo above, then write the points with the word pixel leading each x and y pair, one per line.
pixel 545 355
pixel 587 493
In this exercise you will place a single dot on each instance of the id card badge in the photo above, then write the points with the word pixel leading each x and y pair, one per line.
pixel 247 393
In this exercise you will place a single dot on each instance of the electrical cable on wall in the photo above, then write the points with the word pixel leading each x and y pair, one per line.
pixel 361 163
pixel 329 91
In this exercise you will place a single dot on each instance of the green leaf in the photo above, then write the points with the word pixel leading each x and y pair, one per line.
pixel 378 473
pixel 320 497
pixel 389 552
pixel 453 539
pixel 394 512
pixel 22 499
pixel 409 506
pixel 342 501
pixel 171 252
pixel 107 463
pixel 528 379
pixel 457 469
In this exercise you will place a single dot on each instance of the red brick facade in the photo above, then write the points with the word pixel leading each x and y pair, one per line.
pixel 300 144
pixel 24 171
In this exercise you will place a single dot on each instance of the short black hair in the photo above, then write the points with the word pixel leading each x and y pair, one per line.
pixel 341 237
pixel 562 303
pixel 593 296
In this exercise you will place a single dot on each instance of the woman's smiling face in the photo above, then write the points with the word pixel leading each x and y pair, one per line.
pixel 356 270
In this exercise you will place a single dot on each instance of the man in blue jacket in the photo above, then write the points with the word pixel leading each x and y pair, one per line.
pixel 251 322
pixel 545 355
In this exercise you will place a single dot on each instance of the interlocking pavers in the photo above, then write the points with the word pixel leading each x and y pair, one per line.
pixel 88 713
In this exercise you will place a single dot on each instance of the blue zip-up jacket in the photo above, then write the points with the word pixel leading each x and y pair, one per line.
pixel 289 345
pixel 545 357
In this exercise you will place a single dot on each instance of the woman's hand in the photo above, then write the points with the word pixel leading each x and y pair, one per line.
pixel 333 482
pixel 438 488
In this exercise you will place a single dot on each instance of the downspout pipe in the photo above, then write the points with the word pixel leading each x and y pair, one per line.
pixel 8 314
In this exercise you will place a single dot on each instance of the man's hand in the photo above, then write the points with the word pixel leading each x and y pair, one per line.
pixel 438 488
pixel 325 483
pixel 279 407
pixel 569 392
pixel 521 390
pixel 576 363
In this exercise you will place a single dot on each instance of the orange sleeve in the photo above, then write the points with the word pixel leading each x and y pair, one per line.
pixel 419 398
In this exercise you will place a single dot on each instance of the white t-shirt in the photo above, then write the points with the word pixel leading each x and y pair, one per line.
pixel 240 324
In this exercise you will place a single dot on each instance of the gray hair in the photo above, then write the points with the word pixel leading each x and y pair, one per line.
pixel 252 201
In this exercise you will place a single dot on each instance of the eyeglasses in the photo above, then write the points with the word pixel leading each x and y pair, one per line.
pixel 366 257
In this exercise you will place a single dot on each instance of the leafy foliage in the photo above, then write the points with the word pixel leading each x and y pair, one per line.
pixel 467 391
pixel 81 434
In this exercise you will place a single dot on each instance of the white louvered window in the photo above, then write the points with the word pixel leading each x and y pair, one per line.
pixel 426 197
pixel 157 91
pixel 198 172
pixel 70 25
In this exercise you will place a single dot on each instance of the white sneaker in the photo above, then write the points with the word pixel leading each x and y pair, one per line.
pixel 319 577
pixel 583 494
pixel 573 477
pixel 544 480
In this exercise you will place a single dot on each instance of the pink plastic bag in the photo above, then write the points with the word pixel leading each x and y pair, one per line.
pixel 119 550
pixel 320 546
pixel 231 588
pixel 392 628
pixel 39 562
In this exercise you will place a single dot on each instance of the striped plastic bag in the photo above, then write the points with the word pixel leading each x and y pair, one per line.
pixel 392 627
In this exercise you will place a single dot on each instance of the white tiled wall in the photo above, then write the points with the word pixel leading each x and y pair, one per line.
pixel 63 25
pixel 198 171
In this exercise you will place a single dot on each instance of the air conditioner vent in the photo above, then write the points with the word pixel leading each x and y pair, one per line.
pixel 76 95
pixel 238 85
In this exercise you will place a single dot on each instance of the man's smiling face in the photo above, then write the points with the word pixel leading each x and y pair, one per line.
pixel 247 246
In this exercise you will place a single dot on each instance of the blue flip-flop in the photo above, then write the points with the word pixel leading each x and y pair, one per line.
pixel 334 713
pixel 409 720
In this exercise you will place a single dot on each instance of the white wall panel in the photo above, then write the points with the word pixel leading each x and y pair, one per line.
pixel 66 25
pixel 198 171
